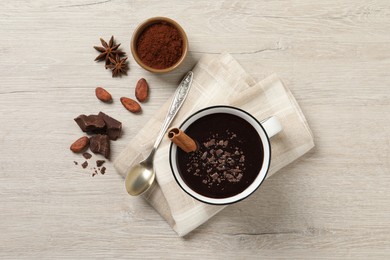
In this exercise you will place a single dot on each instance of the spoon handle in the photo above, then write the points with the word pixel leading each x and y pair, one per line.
pixel 177 101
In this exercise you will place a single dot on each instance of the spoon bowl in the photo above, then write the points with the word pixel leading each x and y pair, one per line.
pixel 139 179
pixel 142 175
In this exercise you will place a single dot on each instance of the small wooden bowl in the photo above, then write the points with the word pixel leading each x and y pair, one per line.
pixel 138 31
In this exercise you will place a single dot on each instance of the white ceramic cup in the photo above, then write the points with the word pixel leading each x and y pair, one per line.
pixel 265 129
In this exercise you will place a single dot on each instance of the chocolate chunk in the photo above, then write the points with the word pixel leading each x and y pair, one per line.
pixel 209 143
pixel 100 144
pixel 215 176
pixel 218 152
pixel 113 126
pixel 100 163
pixel 91 123
pixel 84 165
pixel 87 155
pixel 103 170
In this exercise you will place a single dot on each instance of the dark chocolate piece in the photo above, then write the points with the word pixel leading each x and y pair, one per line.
pixel 100 163
pixel 113 126
pixel 87 155
pixel 100 144
pixel 84 165
pixel 91 123
pixel 103 170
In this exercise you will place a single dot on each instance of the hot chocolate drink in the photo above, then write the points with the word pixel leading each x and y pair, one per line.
pixel 228 159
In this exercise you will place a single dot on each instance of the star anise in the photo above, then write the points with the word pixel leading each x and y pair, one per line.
pixel 108 50
pixel 118 66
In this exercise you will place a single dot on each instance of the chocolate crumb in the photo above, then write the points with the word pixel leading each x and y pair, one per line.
pixel 87 155
pixel 99 163
pixel 103 170
pixel 84 164
pixel 75 163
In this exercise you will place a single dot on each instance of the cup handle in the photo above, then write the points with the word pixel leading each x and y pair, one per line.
pixel 271 125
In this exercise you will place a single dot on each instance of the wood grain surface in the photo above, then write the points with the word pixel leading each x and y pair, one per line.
pixel 333 203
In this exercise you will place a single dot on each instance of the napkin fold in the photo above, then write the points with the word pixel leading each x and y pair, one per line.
pixel 217 80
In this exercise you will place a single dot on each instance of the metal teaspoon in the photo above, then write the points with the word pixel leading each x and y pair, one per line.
pixel 142 175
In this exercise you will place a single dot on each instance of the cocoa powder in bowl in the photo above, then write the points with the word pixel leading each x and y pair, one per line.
pixel 159 44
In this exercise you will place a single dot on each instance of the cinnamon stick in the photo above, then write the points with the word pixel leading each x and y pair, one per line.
pixel 181 139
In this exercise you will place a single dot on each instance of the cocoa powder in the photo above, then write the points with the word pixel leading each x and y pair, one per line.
pixel 160 45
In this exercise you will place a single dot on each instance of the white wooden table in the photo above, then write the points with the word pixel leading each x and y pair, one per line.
pixel 334 202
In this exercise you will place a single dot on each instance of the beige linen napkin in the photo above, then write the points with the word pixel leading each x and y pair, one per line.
pixel 217 81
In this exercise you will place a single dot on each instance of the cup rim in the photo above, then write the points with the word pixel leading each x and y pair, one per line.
pixel 259 178
pixel 141 27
